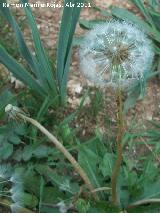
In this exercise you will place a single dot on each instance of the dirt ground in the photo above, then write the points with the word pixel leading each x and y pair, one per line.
pixel 48 20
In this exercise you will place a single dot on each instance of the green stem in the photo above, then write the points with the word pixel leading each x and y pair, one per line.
pixel 116 169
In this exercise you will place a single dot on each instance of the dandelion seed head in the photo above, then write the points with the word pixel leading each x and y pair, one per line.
pixel 116 53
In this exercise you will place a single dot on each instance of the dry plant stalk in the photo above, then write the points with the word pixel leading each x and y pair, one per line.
pixel 116 169
pixel 144 201
pixel 15 112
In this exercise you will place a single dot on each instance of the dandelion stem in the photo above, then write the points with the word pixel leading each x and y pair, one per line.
pixel 118 162
pixel 59 146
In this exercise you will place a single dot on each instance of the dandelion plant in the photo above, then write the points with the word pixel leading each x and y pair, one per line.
pixel 116 54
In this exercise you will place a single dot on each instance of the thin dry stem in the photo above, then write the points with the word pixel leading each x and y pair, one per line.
pixel 118 162
pixel 60 147
pixel 101 189
pixel 142 202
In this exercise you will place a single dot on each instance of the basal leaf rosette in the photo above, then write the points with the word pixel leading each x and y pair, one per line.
pixel 116 54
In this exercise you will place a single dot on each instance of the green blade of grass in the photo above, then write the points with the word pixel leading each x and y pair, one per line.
pixel 90 24
pixel 144 11
pixel 6 97
pixel 68 25
pixel 129 16
pixel 40 52
pixel 19 72
pixel 63 41
pixel 46 80
pixel 32 62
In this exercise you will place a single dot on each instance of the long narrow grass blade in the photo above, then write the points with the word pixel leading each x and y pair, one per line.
pixel 144 11
pixel 20 40
pixel 68 25
pixel 43 74
pixel 40 52
pixel 63 41
pixel 129 16
pixel 20 72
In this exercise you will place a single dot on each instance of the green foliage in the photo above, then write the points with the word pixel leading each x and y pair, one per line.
pixel 138 179
pixel 89 24
pixel 28 200
pixel 48 178
pixel 106 165
pixel 6 97
pixel 103 207
pixel 36 78
pixel 89 160
pixel 149 25
pixel 9 136
pixel 38 75
pixel 68 24
pixel 7 38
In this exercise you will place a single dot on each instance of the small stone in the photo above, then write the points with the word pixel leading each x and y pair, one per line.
pixel 78 88
pixel 49 14
pixel 50 43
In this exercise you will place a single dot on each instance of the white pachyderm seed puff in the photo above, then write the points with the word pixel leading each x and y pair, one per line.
pixel 116 54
